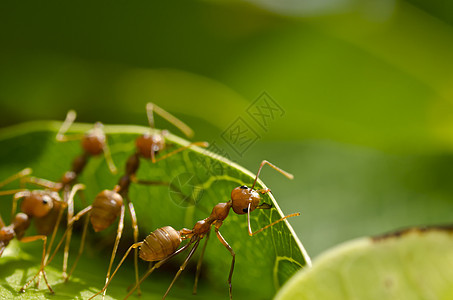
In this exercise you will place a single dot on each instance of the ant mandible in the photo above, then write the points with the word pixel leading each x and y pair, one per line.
pixel 109 204
pixel 162 244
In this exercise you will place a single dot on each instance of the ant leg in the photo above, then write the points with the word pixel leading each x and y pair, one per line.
pixel 83 198
pixel 77 217
pixel 200 261
pixel 41 270
pixel 151 108
pixel 46 260
pixel 70 215
pixel 43 183
pixel 69 200
pixel 225 243
pixel 98 130
pixel 134 246
pixel 54 232
pixel 182 267
pixel 264 162
pixel 135 228
pixel 70 118
pixel 109 159
pixel 251 233
pixel 62 207
pixel 82 246
pixel 115 246
pixel 200 144
pixel 157 265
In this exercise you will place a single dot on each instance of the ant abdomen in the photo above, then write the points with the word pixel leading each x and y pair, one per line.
pixel 105 209
pixel 160 244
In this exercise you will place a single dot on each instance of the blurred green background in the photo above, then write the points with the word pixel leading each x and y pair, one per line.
pixel 365 86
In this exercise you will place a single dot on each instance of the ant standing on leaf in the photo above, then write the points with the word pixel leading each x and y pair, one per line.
pixel 109 204
pixel 38 204
pixel 162 244
pixel 94 143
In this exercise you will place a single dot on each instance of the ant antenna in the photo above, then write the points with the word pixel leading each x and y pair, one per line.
pixel 200 144
pixel 19 175
pixel 70 118
pixel 264 162
pixel 251 233
pixel 25 172
pixel 151 108
pixel 99 127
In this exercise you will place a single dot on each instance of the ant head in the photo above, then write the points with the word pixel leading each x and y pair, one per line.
pixel 94 140
pixel 39 203
pixel 241 197
pixel 150 142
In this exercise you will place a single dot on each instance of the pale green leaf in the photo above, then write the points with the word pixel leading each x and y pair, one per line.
pixel 410 264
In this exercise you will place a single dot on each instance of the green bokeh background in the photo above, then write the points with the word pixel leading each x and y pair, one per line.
pixel 366 87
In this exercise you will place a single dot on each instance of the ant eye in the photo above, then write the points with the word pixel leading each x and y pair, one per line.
pixel 244 187
pixel 45 200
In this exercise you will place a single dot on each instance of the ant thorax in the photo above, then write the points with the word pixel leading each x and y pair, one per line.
pixel 150 142
pixel 242 197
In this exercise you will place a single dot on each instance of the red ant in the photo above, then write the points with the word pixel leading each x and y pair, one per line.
pixel 94 143
pixel 109 204
pixel 162 244
pixel 39 204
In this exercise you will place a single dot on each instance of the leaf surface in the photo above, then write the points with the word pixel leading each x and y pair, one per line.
pixel 263 262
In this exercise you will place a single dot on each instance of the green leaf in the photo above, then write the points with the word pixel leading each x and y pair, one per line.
pixel 263 262
pixel 411 264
